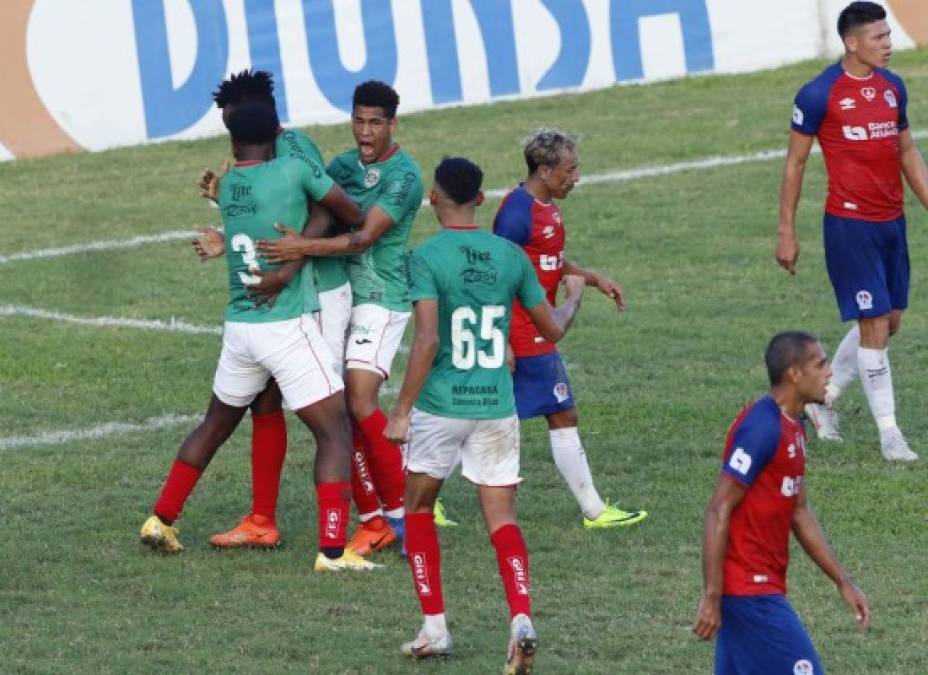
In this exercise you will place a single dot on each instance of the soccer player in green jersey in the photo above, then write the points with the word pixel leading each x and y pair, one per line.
pixel 260 342
pixel 386 182
pixel 464 282
pixel 329 277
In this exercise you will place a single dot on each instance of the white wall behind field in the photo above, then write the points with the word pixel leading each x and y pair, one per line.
pixel 121 72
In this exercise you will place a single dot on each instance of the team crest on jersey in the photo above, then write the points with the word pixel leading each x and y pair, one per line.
pixel 890 97
pixel 847 103
pixel 561 392
pixel 372 177
pixel 864 300
pixel 548 231
pixel 868 93
pixel 803 667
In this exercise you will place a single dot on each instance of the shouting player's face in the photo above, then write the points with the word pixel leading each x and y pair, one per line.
pixel 561 178
pixel 871 44
pixel 373 132
pixel 814 375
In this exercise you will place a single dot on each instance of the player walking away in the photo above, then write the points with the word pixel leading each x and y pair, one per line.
pixel 529 217
pixel 464 282
pixel 386 182
pixel 329 278
pixel 760 497
pixel 857 109
pixel 260 342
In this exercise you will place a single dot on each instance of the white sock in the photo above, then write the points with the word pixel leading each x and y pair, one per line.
pixel 877 380
pixel 844 366
pixel 364 517
pixel 571 462
pixel 435 624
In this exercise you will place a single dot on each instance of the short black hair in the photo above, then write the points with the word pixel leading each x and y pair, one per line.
pixel 256 86
pixel 785 350
pixel 376 94
pixel 253 124
pixel 459 178
pixel 859 14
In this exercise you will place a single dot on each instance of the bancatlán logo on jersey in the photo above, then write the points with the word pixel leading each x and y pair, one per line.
pixel 791 486
pixel 517 565
pixel 420 574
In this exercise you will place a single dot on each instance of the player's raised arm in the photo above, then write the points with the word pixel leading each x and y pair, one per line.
pixel 554 323
pixel 728 494
pixel 787 252
pixel 809 534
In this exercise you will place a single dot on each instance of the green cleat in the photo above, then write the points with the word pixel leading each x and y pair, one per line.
pixel 441 519
pixel 613 516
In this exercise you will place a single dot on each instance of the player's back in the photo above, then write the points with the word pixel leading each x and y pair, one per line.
pixel 475 276
pixel 253 196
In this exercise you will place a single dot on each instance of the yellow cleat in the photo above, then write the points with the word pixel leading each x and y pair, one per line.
pixel 613 516
pixel 349 561
pixel 441 518
pixel 159 536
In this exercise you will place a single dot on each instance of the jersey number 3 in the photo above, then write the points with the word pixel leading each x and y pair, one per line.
pixel 242 243
pixel 464 352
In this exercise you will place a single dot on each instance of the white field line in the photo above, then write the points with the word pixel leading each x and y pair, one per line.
pixel 97 432
pixel 171 326
pixel 495 193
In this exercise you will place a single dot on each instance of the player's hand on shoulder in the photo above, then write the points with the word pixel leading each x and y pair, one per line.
pixel 575 285
pixel 787 252
pixel 210 244
pixel 858 603
pixel 611 289
pixel 209 182
pixel 397 429
pixel 708 617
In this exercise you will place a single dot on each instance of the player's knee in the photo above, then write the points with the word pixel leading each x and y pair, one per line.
pixel 895 323
pixel 563 419
pixel 360 405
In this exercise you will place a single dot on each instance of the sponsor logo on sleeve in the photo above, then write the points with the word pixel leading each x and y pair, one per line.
pixel 803 667
pixel 798 116
pixel 740 461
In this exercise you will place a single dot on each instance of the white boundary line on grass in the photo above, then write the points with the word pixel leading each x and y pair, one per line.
pixel 97 432
pixel 624 176
pixel 171 326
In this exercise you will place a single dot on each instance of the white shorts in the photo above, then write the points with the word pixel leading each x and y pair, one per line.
pixel 334 316
pixel 292 352
pixel 488 450
pixel 374 338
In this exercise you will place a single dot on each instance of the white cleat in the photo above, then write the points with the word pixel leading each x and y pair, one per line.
pixel 825 420
pixel 894 448
pixel 427 646
pixel 522 647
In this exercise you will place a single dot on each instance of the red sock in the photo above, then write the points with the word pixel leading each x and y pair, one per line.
pixel 512 558
pixel 179 484
pixel 385 460
pixel 424 557
pixel 334 501
pixel 362 485
pixel 268 449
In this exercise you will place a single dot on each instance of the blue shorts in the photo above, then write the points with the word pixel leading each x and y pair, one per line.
pixel 762 634
pixel 540 386
pixel 868 264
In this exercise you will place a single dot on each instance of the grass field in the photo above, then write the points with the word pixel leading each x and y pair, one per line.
pixel 657 389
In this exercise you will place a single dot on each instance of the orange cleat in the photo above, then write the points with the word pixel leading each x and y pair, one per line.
pixel 253 531
pixel 374 535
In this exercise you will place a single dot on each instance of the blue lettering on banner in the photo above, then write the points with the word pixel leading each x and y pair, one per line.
pixel 626 40
pixel 170 110
pixel 264 48
pixel 336 82
pixel 495 21
pixel 574 25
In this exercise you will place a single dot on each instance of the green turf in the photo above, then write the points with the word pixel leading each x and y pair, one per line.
pixel 657 389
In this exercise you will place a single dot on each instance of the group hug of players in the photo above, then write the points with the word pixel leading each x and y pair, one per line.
pixel 322 285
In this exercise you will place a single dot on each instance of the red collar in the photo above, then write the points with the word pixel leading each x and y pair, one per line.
pixel 250 162
pixel 388 154
pixel 461 227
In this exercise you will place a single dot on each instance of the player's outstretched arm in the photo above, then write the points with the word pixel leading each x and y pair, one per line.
pixel 605 285
pixel 810 536
pixel 375 225
pixel 913 166
pixel 554 323
pixel 787 253
pixel 421 356
pixel 728 494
